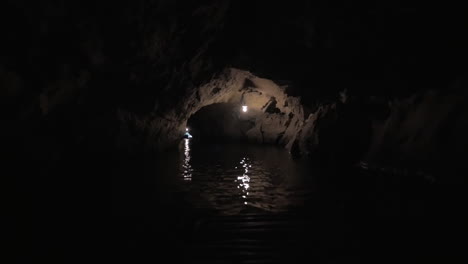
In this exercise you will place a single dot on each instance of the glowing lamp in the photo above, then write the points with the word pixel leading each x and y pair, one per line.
pixel 244 108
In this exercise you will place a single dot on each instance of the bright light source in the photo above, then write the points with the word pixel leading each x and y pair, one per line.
pixel 244 108
pixel 187 134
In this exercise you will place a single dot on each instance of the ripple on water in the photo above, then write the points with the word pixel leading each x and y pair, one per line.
pixel 233 179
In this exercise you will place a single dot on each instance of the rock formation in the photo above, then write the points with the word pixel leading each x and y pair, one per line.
pixel 75 80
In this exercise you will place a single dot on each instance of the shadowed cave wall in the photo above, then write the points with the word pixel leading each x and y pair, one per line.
pixel 75 81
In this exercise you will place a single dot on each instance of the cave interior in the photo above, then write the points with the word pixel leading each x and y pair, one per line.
pixel 349 124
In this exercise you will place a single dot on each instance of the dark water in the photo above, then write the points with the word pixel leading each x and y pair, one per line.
pixel 224 179
pixel 233 179
pixel 342 215
pixel 206 198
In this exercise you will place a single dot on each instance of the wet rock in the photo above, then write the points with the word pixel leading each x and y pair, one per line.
pixel 423 131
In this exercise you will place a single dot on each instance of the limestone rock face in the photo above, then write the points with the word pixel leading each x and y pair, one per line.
pixel 276 117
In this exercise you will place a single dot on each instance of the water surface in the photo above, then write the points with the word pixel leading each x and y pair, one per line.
pixel 236 178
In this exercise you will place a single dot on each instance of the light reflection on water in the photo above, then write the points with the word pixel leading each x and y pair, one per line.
pixel 244 180
pixel 186 167
pixel 232 178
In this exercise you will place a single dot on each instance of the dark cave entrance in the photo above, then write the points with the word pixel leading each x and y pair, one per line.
pixel 220 122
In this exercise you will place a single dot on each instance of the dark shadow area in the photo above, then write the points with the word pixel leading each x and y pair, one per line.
pixel 125 208
pixel 138 210
pixel 222 122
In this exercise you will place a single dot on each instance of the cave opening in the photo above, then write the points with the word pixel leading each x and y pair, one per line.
pixel 221 122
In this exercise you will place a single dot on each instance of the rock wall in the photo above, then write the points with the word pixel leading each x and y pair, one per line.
pixel 337 133
pixel 276 116
pixel 425 132
pixel 77 75
pixel 72 74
